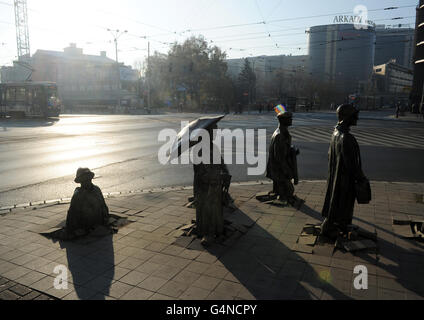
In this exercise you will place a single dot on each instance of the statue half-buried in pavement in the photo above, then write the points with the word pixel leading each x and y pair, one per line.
pixel 209 182
pixel 282 163
pixel 344 173
pixel 88 208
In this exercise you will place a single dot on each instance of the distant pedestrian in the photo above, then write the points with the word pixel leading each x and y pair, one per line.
pixel 397 110
pixel 421 111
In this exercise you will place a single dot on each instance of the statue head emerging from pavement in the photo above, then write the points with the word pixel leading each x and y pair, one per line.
pixel 84 176
pixel 285 118
pixel 347 115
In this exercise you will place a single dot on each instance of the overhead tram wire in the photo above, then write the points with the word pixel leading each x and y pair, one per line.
pixel 291 19
pixel 234 25
pixel 263 22
pixel 299 33
pixel 285 44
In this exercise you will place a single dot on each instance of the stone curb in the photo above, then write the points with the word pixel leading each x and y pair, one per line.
pixel 8 209
pixel 47 203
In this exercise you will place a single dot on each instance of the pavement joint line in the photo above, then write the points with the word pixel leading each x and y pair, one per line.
pixel 117 194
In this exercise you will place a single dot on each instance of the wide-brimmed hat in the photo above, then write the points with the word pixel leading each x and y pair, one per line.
pixel 346 111
pixel 83 174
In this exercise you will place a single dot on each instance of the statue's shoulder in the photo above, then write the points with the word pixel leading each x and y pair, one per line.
pixel 97 189
pixel 77 191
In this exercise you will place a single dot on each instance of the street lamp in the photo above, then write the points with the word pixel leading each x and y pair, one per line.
pixel 116 35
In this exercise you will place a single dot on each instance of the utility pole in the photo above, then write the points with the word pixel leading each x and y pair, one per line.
pixel 116 35
pixel 148 75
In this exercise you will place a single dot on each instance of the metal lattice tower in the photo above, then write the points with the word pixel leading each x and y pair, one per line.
pixel 21 22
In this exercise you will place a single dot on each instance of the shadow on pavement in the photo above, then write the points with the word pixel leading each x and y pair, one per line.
pixel 27 123
pixel 87 259
pixel 265 265
pixel 400 264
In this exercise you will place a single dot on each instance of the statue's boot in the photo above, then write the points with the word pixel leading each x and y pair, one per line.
pixel 296 202
pixel 328 229
pixel 206 241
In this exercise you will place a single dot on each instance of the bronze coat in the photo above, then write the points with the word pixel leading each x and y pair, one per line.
pixel 343 170
pixel 280 166
pixel 88 209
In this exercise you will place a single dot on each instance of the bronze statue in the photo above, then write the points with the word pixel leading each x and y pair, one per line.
pixel 282 163
pixel 344 172
pixel 88 208
pixel 209 182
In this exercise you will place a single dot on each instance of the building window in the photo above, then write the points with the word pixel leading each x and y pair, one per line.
pixel 10 94
pixel 20 94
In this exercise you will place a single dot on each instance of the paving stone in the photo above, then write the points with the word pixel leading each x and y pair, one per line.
pixel 99 283
pixel 229 287
pixel 30 296
pixel 44 284
pixel 137 294
pixel 194 293
pixel 20 290
pixel 8 295
pixel 198 267
pixel 16 273
pixel 186 277
pixel 166 272
pixel 207 282
pixel 148 267
pixel 206 258
pixel 219 295
pixel 117 289
pixel 173 289
pixel 134 278
pixel 158 296
pixel 152 283
pixel 387 294
pixel 190 254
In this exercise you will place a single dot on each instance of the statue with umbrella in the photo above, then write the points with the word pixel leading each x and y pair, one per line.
pixel 211 177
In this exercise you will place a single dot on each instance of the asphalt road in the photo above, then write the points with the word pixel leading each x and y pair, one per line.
pixel 38 158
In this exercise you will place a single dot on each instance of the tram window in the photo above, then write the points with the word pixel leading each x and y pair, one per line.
pixel 20 94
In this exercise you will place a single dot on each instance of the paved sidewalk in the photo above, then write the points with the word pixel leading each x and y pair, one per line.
pixel 148 259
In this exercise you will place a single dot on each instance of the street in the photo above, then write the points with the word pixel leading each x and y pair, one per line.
pixel 39 158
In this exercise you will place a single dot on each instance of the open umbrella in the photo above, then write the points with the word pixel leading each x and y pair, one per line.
pixel 187 137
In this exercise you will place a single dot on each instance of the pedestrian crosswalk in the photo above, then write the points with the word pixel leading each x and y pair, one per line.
pixel 390 136
pixel 384 137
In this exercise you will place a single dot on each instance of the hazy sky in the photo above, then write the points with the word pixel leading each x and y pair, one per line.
pixel 56 23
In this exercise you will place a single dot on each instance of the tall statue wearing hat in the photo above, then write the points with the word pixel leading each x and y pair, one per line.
pixel 344 175
pixel 88 208
pixel 282 163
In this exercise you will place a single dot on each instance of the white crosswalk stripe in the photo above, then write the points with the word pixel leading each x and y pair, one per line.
pixel 411 138
pixel 365 136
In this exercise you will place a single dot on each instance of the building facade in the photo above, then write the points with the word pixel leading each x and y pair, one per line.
pixel 81 79
pixel 393 81
pixel 342 54
pixel 417 94
pixel 394 43
pixel 268 71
